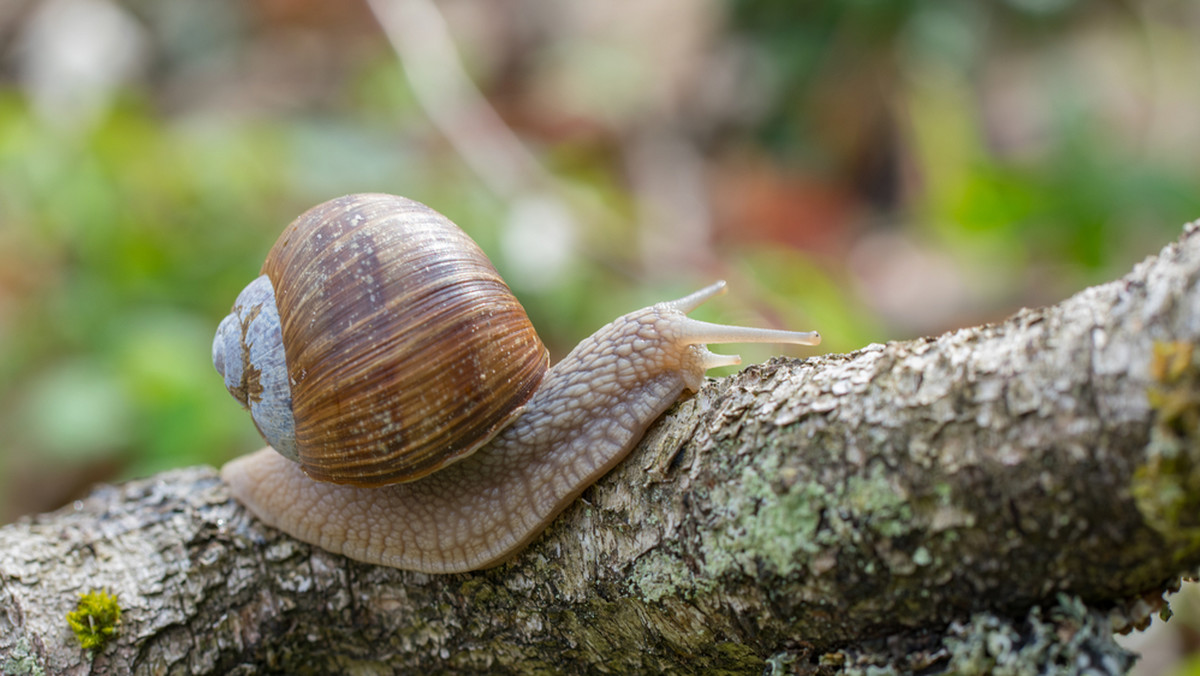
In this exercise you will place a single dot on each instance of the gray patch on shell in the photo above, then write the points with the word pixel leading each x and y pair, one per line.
pixel 228 341
pixel 248 353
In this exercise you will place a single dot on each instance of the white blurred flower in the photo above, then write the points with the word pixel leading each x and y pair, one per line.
pixel 538 242
pixel 74 54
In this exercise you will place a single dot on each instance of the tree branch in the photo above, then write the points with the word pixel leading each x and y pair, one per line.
pixel 905 504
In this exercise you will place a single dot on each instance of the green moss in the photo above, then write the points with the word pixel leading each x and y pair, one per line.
pixel 736 658
pixel 477 590
pixel 95 619
pixel 1166 486
pixel 619 629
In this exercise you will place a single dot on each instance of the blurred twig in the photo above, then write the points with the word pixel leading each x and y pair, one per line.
pixel 452 102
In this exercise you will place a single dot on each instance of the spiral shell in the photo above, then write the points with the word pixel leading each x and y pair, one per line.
pixel 403 349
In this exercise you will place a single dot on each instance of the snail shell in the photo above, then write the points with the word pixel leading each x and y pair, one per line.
pixel 379 344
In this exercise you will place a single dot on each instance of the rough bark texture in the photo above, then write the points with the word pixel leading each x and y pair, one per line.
pixel 994 496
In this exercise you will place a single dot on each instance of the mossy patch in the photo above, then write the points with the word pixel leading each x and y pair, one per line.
pixel 95 619
pixel 1166 485
pixel 619 630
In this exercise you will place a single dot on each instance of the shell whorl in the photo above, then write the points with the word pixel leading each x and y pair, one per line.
pixel 403 347
pixel 248 353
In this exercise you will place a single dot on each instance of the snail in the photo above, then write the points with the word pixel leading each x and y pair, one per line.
pixel 415 420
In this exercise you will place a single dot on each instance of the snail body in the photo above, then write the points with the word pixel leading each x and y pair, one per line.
pixel 503 481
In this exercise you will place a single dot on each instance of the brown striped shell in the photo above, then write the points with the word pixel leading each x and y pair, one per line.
pixel 405 349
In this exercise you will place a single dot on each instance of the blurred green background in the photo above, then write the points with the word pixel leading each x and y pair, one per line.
pixel 875 170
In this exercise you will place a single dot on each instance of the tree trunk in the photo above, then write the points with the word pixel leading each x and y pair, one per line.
pixel 996 495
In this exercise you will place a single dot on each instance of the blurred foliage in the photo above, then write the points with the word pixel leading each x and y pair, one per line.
pixel 113 267
pixel 874 170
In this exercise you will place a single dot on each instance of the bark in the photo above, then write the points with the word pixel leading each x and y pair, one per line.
pixel 1000 495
